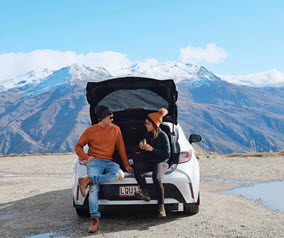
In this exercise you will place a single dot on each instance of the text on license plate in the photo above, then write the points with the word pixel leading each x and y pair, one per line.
pixel 128 191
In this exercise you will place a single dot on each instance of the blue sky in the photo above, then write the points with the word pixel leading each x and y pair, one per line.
pixel 245 36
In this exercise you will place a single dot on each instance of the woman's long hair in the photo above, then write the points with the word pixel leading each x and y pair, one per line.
pixel 155 131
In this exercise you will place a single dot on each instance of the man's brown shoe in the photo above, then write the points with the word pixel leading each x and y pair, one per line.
pixel 84 183
pixel 162 211
pixel 95 225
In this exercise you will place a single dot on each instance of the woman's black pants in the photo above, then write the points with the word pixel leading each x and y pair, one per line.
pixel 159 170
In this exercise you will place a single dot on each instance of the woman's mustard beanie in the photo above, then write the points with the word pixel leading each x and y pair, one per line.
pixel 157 117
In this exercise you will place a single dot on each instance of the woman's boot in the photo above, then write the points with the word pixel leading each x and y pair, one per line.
pixel 162 211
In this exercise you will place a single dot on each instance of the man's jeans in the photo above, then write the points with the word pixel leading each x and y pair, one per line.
pixel 100 171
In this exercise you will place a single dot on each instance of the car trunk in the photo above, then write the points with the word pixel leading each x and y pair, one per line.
pixel 131 99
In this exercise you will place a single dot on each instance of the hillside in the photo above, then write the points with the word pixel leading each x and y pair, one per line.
pixel 48 113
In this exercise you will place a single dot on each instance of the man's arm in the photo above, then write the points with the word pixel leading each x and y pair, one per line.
pixel 80 145
pixel 122 152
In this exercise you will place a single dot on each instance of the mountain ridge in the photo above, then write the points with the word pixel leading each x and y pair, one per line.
pixel 172 70
pixel 50 115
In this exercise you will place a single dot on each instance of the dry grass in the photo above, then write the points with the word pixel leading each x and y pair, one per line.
pixel 21 155
pixel 251 154
pixel 201 153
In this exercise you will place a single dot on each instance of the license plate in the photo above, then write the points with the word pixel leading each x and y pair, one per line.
pixel 128 191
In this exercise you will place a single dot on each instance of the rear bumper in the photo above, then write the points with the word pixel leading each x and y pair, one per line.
pixel 109 194
pixel 176 186
pixel 105 202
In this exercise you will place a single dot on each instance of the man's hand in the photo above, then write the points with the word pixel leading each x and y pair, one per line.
pixel 130 170
pixel 90 158
pixel 83 162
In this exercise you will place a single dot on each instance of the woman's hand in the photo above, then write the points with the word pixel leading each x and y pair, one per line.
pixel 148 147
pixel 141 145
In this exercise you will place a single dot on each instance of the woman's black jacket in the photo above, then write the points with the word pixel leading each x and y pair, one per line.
pixel 161 148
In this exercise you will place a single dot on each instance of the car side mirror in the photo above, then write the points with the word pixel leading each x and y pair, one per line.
pixel 193 138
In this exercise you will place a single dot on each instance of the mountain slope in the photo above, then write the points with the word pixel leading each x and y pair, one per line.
pixel 46 122
pixel 49 114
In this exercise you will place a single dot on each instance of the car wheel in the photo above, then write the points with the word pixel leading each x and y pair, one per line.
pixel 191 208
pixel 82 212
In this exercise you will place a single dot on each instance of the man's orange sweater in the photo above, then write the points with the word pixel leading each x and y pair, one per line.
pixel 102 142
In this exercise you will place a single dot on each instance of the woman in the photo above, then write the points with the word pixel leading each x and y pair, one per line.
pixel 156 153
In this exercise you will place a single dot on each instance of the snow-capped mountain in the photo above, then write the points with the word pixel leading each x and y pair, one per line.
pixel 171 70
pixel 180 72
pixel 272 78
pixel 74 74
pixel 36 81
pixel 78 74
pixel 32 77
pixel 48 114
pixel 82 73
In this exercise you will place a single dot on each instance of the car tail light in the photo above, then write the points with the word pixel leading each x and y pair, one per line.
pixel 77 195
pixel 184 156
pixel 191 190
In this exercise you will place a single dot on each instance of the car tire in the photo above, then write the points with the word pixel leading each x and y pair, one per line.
pixel 191 208
pixel 82 212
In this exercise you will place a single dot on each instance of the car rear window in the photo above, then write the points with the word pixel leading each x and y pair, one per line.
pixel 139 98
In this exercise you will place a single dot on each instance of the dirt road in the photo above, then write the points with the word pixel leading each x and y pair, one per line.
pixel 39 201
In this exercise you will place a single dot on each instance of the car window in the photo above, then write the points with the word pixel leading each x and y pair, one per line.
pixel 139 98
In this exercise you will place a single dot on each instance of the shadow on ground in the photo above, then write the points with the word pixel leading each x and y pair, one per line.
pixel 53 212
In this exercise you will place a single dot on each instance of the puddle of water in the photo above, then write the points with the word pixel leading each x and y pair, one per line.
pixel 232 181
pixel 46 235
pixel 35 175
pixel 270 194
pixel 5 206
pixel 6 175
pixel 6 216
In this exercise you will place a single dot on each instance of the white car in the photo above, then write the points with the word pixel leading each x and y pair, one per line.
pixel 131 99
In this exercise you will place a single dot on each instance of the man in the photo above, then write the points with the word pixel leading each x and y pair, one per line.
pixel 102 138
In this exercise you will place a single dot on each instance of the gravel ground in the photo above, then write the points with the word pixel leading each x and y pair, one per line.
pixel 32 205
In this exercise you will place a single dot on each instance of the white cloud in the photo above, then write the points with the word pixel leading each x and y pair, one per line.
pixel 210 55
pixel 272 78
pixel 14 64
